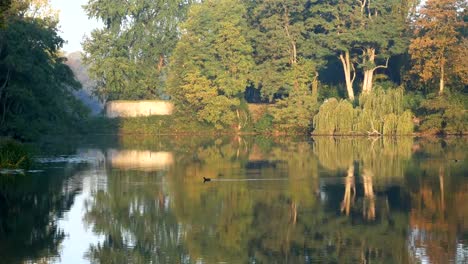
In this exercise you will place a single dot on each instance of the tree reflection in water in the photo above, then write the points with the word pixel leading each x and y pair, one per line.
pixel 341 200
pixel 30 207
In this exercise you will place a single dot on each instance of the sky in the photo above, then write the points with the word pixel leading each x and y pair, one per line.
pixel 74 23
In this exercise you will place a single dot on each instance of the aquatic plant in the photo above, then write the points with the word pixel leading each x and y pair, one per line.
pixel 13 155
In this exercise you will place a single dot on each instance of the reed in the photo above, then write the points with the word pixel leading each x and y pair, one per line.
pixel 14 155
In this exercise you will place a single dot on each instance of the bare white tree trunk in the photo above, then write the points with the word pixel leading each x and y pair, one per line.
pixel 348 69
pixel 369 58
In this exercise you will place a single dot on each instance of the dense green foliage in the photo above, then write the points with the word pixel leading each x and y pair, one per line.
pixel 281 50
pixel 212 63
pixel 36 87
pixel 445 114
pixel 13 155
pixel 290 54
pixel 295 111
pixel 127 56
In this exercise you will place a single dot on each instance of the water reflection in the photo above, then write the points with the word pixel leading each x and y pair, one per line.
pixel 30 207
pixel 272 200
pixel 140 160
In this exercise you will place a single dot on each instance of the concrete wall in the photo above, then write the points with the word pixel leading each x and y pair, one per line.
pixel 138 108
pixel 140 159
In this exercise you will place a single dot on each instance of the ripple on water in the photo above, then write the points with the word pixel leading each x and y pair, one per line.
pixel 66 159
pixel 18 171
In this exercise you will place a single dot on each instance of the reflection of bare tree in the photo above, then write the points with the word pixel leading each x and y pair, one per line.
pixel 369 201
pixel 436 216
pixel 350 191
pixel 441 186
pixel 293 212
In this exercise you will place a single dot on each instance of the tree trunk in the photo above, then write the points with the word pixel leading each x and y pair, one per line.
pixel 315 86
pixel 442 77
pixel 161 62
pixel 369 58
pixel 348 68
pixel 294 52
pixel 368 81
pixel 239 124
pixel 368 73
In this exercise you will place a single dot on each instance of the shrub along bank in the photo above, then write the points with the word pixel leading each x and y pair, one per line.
pixel 14 155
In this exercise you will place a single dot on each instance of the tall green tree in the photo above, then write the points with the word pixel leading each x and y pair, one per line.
pixel 280 41
pixel 127 56
pixel 36 87
pixel 212 62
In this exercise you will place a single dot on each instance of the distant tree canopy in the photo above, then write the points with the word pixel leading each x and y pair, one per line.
pixel 35 85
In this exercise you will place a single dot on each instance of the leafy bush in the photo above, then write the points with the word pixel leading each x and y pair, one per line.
pixel 264 124
pixel 13 155
pixel 295 113
pixel 445 114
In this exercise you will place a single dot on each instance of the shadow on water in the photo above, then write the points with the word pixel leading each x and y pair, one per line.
pixel 269 200
pixel 30 206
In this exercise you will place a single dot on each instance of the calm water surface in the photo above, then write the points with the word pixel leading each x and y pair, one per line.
pixel 270 200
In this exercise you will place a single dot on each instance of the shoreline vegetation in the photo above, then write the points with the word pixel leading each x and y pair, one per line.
pixel 241 67
pixel 174 126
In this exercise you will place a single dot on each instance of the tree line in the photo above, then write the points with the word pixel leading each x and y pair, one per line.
pixel 211 57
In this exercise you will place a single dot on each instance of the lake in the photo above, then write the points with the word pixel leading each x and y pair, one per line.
pixel 268 200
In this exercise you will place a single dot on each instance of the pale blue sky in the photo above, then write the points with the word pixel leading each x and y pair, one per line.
pixel 74 23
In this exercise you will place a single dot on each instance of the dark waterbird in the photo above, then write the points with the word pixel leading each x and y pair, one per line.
pixel 206 179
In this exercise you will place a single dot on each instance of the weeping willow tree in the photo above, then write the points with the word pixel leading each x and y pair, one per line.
pixel 380 112
pixel 335 117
